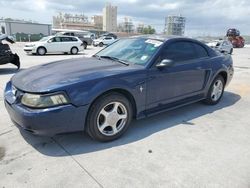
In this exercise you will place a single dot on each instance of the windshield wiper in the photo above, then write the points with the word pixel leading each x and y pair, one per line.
pixel 115 59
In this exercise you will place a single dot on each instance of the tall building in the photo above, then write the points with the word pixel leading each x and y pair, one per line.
pixel 175 25
pixel 110 18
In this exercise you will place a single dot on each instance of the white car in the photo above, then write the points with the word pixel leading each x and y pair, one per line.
pixel 222 46
pixel 55 44
pixel 106 40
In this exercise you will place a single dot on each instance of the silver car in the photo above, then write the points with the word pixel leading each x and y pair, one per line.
pixel 223 46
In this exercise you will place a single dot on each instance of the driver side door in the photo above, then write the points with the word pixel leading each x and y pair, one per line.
pixel 185 78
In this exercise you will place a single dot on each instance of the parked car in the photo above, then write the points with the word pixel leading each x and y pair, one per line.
pixel 109 35
pixel 223 46
pixel 86 38
pixel 103 41
pixel 55 44
pixel 132 78
pixel 6 55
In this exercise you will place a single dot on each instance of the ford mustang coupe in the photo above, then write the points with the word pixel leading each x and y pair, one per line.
pixel 132 78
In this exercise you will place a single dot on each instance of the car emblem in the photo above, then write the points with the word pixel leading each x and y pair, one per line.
pixel 141 89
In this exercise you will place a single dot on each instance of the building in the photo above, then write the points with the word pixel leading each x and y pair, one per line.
pixel 126 26
pixel 24 30
pixel 140 28
pixel 175 25
pixel 72 21
pixel 12 27
pixel 110 18
pixel 97 21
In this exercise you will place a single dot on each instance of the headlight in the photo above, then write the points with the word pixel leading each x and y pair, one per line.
pixel 43 101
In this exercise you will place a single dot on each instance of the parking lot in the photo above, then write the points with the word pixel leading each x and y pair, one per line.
pixel 194 146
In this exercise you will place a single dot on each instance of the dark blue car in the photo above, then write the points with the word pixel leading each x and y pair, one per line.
pixel 132 78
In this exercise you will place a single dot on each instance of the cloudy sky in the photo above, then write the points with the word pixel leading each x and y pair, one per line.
pixel 204 17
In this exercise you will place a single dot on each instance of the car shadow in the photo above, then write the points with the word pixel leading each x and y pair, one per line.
pixel 5 71
pixel 80 143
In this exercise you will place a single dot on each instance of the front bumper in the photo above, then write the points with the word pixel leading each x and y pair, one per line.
pixel 49 121
pixel 29 49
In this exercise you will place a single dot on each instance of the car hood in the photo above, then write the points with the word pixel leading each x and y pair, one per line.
pixel 53 76
pixel 33 43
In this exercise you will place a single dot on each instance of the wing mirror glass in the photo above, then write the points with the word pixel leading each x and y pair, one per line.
pixel 165 63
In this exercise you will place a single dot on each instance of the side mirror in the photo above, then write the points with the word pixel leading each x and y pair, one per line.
pixel 49 41
pixel 165 63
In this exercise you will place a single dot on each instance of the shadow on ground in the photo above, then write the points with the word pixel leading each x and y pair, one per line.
pixel 80 143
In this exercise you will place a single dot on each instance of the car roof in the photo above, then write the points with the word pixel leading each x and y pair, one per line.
pixel 162 38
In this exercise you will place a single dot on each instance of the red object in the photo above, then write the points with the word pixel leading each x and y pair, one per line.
pixel 235 38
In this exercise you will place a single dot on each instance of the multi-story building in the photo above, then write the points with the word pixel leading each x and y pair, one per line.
pixel 70 21
pixel 97 20
pixel 126 26
pixel 140 28
pixel 110 18
pixel 175 25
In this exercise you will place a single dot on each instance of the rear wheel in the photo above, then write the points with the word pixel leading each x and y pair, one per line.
pixel 41 51
pixel 216 91
pixel 101 44
pixel 74 50
pixel 231 51
pixel 109 117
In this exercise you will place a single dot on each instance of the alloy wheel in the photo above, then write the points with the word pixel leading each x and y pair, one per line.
pixel 112 118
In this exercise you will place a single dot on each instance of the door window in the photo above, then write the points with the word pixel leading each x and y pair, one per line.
pixel 56 39
pixel 179 51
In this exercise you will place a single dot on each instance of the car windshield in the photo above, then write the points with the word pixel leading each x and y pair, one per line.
pixel 44 39
pixel 132 50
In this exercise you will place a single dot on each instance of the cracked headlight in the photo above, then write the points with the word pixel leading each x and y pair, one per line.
pixel 44 101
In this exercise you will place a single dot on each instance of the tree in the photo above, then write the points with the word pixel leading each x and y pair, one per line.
pixel 148 30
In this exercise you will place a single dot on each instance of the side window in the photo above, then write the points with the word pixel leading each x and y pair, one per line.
pixel 74 39
pixel 179 51
pixel 107 38
pixel 56 39
pixel 200 51
pixel 65 39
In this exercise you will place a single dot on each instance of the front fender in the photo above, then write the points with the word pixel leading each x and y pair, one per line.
pixel 85 93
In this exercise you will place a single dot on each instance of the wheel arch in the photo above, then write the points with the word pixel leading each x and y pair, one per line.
pixel 121 91
pixel 224 75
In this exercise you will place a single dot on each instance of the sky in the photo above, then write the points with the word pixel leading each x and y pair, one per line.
pixel 204 17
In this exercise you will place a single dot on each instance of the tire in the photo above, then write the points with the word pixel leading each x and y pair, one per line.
pixel 41 51
pixel 101 44
pixel 231 51
pixel 85 45
pixel 215 91
pixel 109 117
pixel 74 50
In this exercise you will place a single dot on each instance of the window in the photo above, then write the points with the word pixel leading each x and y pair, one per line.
pixel 74 39
pixel 55 39
pixel 107 38
pixel 183 51
pixel 200 51
pixel 179 51
pixel 66 39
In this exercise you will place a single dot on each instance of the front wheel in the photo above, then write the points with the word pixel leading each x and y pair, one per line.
pixel 216 91
pixel 109 117
pixel 41 51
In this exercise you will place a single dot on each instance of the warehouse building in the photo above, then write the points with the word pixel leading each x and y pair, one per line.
pixel 23 30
